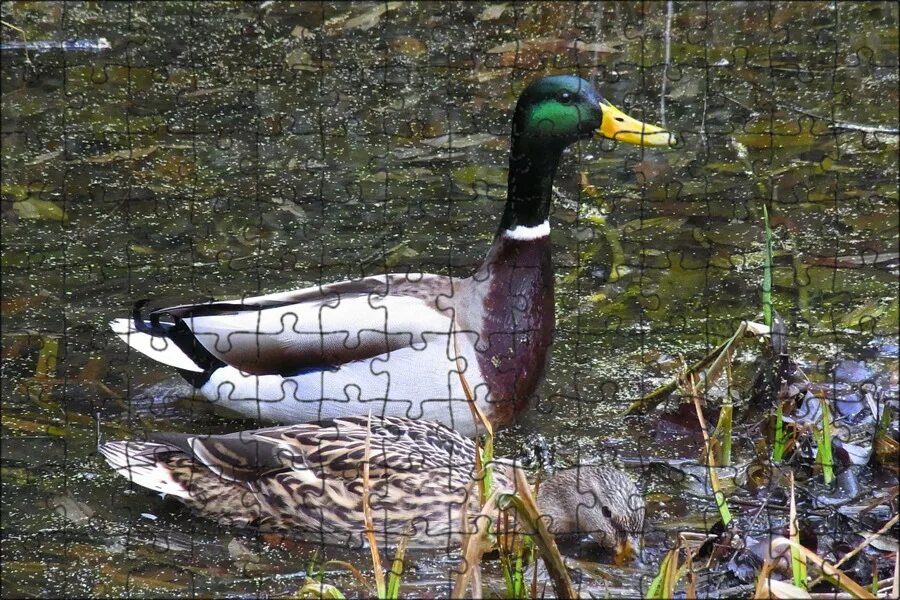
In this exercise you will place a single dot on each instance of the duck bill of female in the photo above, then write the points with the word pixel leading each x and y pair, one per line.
pixel 627 551
pixel 618 126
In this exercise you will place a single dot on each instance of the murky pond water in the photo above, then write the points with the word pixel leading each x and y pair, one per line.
pixel 222 149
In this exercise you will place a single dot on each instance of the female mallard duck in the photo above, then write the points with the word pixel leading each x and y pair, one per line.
pixel 400 344
pixel 307 479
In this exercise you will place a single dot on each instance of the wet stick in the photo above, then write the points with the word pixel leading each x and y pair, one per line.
pixel 715 360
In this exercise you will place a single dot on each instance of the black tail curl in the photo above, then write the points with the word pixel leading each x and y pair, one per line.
pixel 154 328
pixel 182 336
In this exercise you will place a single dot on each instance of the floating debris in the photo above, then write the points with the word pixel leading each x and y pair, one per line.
pixel 96 45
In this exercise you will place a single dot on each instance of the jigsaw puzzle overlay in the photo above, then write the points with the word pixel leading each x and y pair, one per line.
pixel 302 268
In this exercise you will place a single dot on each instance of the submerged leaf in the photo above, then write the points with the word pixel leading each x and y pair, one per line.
pixel 36 208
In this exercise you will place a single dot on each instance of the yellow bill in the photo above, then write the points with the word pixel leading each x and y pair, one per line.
pixel 627 550
pixel 618 126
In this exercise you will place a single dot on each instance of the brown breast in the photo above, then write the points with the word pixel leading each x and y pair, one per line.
pixel 517 324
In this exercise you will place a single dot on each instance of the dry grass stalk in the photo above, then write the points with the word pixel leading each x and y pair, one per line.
pixel 475 547
pixel 782 590
pixel 834 575
pixel 367 517
pixel 486 481
pixel 466 535
pixel 761 580
pixel 715 360
pixel 544 540
pixel 318 589
pixel 691 591
pixel 663 585
pixel 475 544
pixel 895 589
pixel 357 574
pixel 398 566
pixel 719 496
pixel 860 547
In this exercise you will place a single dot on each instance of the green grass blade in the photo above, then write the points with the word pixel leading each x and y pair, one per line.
pixel 778 450
pixel 487 459
pixel 313 588
pixel 724 432
pixel 823 453
pixel 798 561
pixel 662 585
pixel 767 273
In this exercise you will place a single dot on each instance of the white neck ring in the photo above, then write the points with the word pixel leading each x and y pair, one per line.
pixel 523 233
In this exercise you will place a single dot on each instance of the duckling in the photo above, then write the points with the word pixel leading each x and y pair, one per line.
pixel 307 480
pixel 394 345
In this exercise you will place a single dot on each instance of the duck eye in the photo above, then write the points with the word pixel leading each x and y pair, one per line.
pixel 606 512
pixel 565 97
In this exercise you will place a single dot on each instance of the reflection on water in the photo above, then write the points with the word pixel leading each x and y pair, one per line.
pixel 222 149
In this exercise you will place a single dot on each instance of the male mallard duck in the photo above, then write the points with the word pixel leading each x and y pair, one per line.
pixel 307 479
pixel 395 345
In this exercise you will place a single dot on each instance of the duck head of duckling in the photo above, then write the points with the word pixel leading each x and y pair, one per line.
pixel 598 501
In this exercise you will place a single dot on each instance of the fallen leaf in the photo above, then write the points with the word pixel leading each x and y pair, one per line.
pixel 370 18
pixel 35 208
pixel 493 11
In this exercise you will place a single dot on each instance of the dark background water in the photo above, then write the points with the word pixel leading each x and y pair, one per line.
pixel 226 149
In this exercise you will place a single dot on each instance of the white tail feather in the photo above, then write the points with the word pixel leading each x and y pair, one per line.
pixel 159 349
pixel 136 461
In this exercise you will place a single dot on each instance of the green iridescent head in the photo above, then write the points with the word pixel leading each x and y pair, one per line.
pixel 561 109
pixel 552 113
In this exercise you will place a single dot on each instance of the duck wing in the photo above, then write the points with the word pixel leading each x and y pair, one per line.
pixel 329 455
pixel 332 449
pixel 285 333
pixel 337 447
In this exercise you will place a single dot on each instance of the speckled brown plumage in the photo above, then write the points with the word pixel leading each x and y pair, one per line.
pixel 307 480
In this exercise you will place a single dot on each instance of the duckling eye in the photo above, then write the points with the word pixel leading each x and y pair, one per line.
pixel 565 97
pixel 606 512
